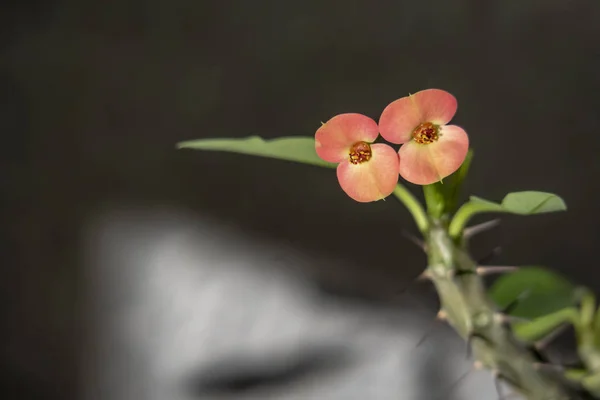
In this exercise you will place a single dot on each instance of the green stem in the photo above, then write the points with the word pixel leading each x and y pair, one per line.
pixel 597 328
pixel 466 306
pixel 539 327
pixel 414 206
pixel 462 217
pixel 435 200
pixel 588 308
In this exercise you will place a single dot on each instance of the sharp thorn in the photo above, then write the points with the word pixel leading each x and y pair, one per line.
pixel 490 256
pixel 425 337
pixel 538 354
pixel 468 351
pixel 470 338
pixel 490 270
pixel 463 272
pixel 423 276
pixel 422 340
pixel 507 319
pixel 542 343
pixel 471 231
pixel 456 382
pixel 548 367
pixel 497 384
pixel 555 367
pixel 432 328
pixel 420 244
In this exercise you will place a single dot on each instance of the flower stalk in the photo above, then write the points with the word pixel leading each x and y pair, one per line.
pixel 413 206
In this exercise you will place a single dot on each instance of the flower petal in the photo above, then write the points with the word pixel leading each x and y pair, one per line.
pixel 372 180
pixel 436 106
pixel 334 138
pixel 399 119
pixel 424 164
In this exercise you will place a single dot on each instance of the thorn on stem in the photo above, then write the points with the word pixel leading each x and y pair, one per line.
pixel 560 368
pixel 506 319
pixel 549 367
pixel 538 354
pixel 414 239
pixel 490 270
pixel 423 276
pixel 470 338
pixel 463 272
pixel 498 384
pixel 471 231
pixel 455 384
pixel 488 257
pixel 432 327
pixel 542 343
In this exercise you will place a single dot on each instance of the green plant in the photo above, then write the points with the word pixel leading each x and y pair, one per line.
pixel 505 325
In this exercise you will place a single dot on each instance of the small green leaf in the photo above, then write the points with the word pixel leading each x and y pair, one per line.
pixel 538 292
pixel 522 203
pixel 527 203
pixel 297 148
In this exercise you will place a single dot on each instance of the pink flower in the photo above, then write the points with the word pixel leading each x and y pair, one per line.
pixel 432 150
pixel 366 171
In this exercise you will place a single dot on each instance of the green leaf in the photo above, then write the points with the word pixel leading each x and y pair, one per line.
pixel 536 290
pixel 522 203
pixel 297 148
pixel 525 203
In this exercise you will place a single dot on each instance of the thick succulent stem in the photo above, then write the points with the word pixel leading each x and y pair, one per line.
pixel 474 316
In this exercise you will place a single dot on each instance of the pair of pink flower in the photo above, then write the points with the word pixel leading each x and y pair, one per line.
pixel 431 149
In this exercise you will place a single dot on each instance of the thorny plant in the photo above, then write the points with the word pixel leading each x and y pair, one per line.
pixel 507 326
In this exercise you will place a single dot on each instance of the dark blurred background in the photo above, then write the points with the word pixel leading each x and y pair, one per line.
pixel 133 270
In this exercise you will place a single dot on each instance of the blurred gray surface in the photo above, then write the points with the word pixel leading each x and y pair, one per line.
pixel 181 303
pixel 94 96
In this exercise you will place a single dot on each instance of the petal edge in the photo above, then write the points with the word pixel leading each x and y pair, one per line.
pixel 334 138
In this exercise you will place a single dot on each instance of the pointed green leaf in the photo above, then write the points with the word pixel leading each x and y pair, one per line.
pixel 297 148
pixel 522 203
pixel 536 290
pixel 526 203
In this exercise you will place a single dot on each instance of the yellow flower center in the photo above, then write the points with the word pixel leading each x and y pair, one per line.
pixel 360 152
pixel 426 133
